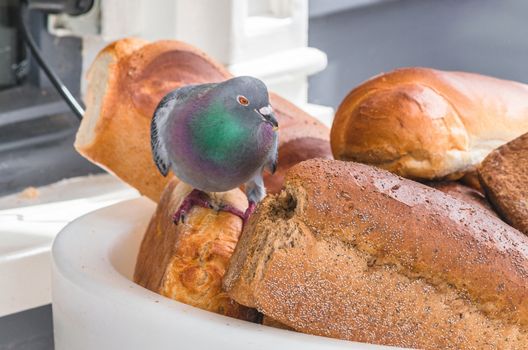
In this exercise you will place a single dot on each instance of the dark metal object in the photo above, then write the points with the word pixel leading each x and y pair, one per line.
pixel 37 128
pixel 70 7
pixel 72 102
pixel 13 65
pixel 37 131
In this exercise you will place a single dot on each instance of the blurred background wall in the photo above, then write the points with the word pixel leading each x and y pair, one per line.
pixel 363 38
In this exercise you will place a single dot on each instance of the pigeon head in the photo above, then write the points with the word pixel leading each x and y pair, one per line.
pixel 248 98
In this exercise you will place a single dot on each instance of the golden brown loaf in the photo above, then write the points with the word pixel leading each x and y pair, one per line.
pixel 186 262
pixel 425 124
pixel 128 79
pixel 351 251
pixel 504 177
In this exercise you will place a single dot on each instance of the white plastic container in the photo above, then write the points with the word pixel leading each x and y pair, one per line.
pixel 97 306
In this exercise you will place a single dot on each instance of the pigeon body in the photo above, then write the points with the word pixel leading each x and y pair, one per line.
pixel 217 137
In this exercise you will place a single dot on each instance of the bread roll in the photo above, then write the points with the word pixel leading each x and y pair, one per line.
pixel 428 124
pixel 126 82
pixel 186 262
pixel 504 177
pixel 354 252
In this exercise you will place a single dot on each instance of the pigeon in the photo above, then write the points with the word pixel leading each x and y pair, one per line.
pixel 216 137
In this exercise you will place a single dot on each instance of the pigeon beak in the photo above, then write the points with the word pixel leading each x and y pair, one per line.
pixel 268 115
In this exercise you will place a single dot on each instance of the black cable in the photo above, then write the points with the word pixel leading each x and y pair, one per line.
pixel 75 106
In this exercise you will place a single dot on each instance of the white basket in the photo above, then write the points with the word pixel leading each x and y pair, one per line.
pixel 97 306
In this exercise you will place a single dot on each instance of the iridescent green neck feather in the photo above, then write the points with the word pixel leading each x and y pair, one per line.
pixel 218 135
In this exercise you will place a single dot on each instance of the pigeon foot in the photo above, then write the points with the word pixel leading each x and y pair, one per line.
pixel 202 199
pixel 195 197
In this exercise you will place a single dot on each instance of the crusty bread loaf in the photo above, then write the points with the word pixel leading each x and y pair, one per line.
pixel 186 262
pixel 351 251
pixel 471 179
pixel 270 322
pixel 464 193
pixel 427 124
pixel 504 177
pixel 126 82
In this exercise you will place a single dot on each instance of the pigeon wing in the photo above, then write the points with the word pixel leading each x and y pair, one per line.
pixel 161 116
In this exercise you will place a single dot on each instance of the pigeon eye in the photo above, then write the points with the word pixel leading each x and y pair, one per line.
pixel 242 100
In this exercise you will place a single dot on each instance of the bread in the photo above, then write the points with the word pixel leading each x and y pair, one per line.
pixel 125 83
pixel 423 123
pixel 354 252
pixel 471 179
pixel 270 322
pixel 186 262
pixel 504 177
pixel 463 193
pixel 128 79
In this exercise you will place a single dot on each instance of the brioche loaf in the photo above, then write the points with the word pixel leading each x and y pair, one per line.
pixel 354 252
pixel 126 82
pixel 186 262
pixel 504 177
pixel 427 124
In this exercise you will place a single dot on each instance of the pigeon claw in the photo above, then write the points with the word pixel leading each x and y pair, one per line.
pixel 195 197
pixel 179 216
pixel 249 211
pixel 200 198
pixel 231 209
pixel 243 215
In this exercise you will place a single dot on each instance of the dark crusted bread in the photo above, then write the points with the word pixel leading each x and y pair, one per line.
pixel 504 177
pixel 462 192
pixel 354 252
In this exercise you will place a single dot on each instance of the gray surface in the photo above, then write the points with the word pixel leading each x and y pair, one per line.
pixel 484 36
pixel 319 8
pixel 11 56
pixel 36 138
pixel 27 330
pixel 63 54
pixel 37 132
pixel 36 127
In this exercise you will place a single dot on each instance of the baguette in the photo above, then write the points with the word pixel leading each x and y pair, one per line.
pixel 126 82
pixel 423 123
pixel 186 262
pixel 354 252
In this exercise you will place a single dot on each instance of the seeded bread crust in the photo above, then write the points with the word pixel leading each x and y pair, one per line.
pixel 504 177
pixel 463 193
pixel 354 252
